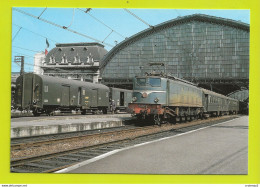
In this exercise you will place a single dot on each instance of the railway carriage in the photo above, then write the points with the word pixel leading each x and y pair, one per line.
pixel 217 105
pixel 121 98
pixel 233 107
pixel 214 103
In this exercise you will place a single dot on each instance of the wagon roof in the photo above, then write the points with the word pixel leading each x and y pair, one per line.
pixel 121 89
pixel 215 94
pixel 69 81
pixel 166 77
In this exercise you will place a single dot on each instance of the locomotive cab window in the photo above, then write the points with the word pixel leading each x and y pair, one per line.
pixel 155 82
pixel 141 81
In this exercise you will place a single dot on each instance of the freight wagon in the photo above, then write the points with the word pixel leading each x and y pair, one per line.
pixel 121 97
pixel 45 94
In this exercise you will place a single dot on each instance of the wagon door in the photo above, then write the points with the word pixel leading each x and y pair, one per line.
pixel 206 102
pixel 122 98
pixel 79 96
pixel 65 95
pixel 27 90
pixel 94 100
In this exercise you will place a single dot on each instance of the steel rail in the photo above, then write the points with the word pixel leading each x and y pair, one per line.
pixel 66 139
pixel 21 161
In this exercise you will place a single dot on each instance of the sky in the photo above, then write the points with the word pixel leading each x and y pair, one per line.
pixel 103 25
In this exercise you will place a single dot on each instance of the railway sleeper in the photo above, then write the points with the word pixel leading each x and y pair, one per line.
pixel 18 170
pixel 33 164
pixel 79 156
pixel 30 169
pixel 53 162
pixel 67 157
pixel 97 151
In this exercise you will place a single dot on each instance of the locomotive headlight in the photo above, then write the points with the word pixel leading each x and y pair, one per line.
pixel 144 95
pixel 156 100
pixel 134 99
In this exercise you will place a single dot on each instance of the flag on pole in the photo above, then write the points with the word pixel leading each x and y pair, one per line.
pixel 47 46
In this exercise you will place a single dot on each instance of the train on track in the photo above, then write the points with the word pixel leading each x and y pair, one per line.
pixel 45 94
pixel 160 97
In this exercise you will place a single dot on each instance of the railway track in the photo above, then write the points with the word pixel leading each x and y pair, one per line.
pixel 22 143
pixel 52 155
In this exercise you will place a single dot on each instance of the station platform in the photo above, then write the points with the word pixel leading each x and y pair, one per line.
pixel 45 125
pixel 17 113
pixel 218 149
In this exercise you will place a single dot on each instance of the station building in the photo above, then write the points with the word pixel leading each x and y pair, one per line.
pixel 210 51
pixel 79 61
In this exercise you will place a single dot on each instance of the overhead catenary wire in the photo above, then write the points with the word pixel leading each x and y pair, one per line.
pixel 28 56
pixel 23 12
pixel 22 54
pixel 70 30
pixel 62 27
pixel 17 63
pixel 42 13
pixel 54 68
pixel 35 33
pixel 107 36
pixel 16 34
pixel 34 65
pixel 25 49
pixel 71 20
pixel 138 17
pixel 101 22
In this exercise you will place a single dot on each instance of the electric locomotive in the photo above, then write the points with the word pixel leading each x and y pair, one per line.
pixel 159 97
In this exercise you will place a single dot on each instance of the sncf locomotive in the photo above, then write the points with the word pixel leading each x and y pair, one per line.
pixel 45 94
pixel 161 97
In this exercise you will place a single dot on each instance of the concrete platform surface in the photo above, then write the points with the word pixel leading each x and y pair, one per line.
pixel 219 149
pixel 43 125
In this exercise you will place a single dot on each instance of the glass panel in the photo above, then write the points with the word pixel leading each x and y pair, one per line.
pixel 141 81
pixel 155 82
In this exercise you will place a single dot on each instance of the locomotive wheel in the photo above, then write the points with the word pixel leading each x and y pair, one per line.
pixel 104 110
pixel 50 113
pixel 157 120
pixel 180 119
pixel 190 118
pixel 83 112
pixel 173 120
pixel 185 118
pixel 35 113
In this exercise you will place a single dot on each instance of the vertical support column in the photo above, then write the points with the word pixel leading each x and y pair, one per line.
pixel 20 59
pixel 22 65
